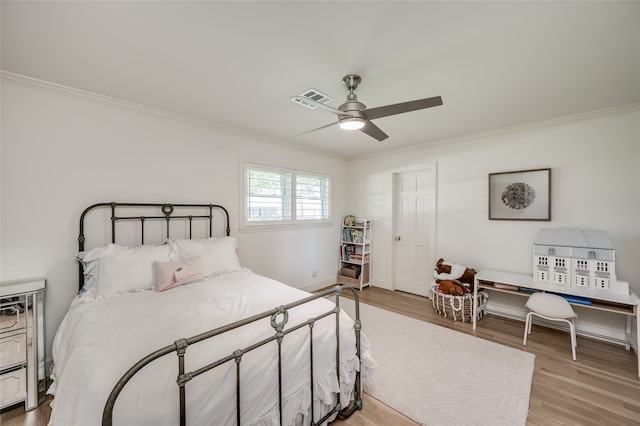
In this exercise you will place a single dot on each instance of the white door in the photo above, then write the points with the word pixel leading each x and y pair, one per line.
pixel 414 230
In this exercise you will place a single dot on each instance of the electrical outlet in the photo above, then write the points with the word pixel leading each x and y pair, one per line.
pixel 314 274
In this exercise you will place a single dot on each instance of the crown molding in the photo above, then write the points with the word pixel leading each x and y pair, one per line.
pixel 19 79
pixel 495 132
pixel 119 103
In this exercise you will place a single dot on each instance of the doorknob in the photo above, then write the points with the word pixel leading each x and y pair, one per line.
pixel 397 238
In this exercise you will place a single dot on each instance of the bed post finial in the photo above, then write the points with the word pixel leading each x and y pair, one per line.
pixel 167 209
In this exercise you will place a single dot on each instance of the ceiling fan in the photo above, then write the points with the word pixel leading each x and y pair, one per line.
pixel 354 115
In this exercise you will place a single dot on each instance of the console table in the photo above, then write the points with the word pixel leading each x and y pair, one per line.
pixel 602 300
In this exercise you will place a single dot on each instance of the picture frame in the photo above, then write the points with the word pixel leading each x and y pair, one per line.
pixel 520 195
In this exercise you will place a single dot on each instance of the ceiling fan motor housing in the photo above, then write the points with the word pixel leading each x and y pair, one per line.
pixel 351 81
pixel 352 107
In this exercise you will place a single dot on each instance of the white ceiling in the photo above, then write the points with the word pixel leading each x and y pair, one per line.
pixel 235 64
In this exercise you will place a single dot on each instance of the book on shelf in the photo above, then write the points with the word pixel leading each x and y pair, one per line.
pixel 349 220
pixel 348 249
pixel 353 235
pixel 354 257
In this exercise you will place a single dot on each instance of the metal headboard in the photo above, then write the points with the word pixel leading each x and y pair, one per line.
pixel 158 211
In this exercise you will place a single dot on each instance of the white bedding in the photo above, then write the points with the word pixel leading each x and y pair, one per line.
pixel 98 341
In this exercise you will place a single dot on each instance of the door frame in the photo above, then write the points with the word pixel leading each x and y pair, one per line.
pixel 431 169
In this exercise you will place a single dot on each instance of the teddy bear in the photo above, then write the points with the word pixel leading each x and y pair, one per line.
pixel 451 271
pixel 452 287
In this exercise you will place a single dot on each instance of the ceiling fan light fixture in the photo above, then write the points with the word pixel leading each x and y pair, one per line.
pixel 354 115
pixel 352 123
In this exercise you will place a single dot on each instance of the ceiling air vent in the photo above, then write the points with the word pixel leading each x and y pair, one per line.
pixel 314 95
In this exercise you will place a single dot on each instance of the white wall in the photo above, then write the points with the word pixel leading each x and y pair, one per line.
pixel 61 153
pixel 595 162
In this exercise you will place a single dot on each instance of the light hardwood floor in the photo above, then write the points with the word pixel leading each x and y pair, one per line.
pixel 601 388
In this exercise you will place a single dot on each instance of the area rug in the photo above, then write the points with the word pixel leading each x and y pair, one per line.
pixel 437 376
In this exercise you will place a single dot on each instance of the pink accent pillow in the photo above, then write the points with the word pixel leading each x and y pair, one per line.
pixel 174 274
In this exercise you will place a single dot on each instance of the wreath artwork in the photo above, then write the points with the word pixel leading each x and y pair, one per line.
pixel 518 196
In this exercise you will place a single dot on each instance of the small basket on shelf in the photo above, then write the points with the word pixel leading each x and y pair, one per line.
pixel 458 308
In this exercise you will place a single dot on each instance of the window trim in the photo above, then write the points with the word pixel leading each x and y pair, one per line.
pixel 274 224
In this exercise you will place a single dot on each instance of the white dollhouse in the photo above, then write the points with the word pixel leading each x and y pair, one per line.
pixel 576 258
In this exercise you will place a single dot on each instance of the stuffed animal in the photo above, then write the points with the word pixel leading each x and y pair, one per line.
pixel 468 276
pixel 442 267
pixel 452 287
pixel 451 271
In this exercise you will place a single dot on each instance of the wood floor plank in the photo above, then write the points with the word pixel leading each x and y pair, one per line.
pixel 601 388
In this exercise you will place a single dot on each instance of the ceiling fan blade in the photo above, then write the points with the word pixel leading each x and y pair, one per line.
pixel 317 128
pixel 305 100
pixel 385 111
pixel 374 131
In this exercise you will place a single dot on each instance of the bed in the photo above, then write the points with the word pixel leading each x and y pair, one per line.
pixel 180 333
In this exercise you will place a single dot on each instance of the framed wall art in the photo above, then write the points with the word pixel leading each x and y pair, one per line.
pixel 520 195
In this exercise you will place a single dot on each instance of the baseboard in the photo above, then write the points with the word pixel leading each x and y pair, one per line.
pixel 318 285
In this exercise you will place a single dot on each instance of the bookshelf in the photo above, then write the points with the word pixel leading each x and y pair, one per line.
pixel 355 252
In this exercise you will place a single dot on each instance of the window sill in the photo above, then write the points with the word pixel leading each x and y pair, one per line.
pixel 284 226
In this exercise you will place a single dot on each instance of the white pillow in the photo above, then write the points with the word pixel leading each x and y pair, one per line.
pixel 218 254
pixel 90 260
pixel 124 269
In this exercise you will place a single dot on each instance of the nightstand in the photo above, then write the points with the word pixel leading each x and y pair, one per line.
pixel 22 342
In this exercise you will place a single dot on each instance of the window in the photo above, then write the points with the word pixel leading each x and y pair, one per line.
pixel 283 196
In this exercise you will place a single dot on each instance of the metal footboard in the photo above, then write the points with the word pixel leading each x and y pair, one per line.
pixel 278 317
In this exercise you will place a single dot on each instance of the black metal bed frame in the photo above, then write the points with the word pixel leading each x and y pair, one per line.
pixel 205 211
pixel 278 318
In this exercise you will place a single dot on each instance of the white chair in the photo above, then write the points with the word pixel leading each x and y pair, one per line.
pixel 554 308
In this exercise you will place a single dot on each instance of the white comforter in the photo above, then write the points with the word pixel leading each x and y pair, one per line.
pixel 98 341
